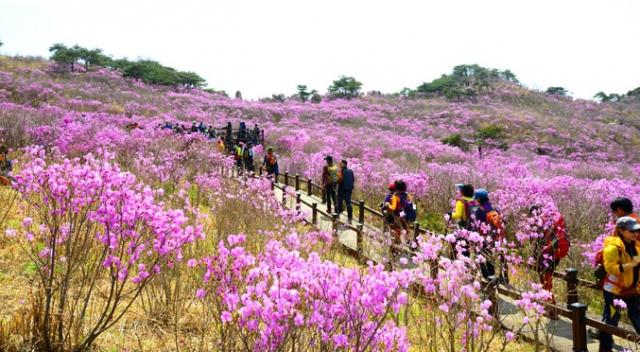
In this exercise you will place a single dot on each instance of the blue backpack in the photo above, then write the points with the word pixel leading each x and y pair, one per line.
pixel 407 206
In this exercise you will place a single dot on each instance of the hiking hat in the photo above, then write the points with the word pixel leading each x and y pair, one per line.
pixel 328 158
pixel 481 194
pixel 392 187
pixel 459 186
pixel 629 223
pixel 270 149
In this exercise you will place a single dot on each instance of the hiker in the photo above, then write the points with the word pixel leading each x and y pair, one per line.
pixel 621 261
pixel 6 166
pixel 388 213
pixel 201 128
pixel 620 207
pixel 167 126
pixel 221 145
pixel 488 223
pixel 345 188
pixel 462 215
pixel 229 129
pixel 236 151
pixel 271 163
pixel 551 246
pixel 212 132
pixel 256 132
pixel 404 211
pixel 463 205
pixel 329 180
pixel 247 157
pixel 242 130
pixel 194 128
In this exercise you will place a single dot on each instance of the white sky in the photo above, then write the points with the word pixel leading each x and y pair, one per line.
pixel 264 47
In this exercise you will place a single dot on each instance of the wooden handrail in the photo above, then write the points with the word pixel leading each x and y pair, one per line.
pixel 574 310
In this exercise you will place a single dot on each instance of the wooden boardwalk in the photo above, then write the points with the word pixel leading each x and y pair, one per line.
pixel 558 334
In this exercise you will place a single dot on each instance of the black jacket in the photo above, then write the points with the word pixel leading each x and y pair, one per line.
pixel 346 180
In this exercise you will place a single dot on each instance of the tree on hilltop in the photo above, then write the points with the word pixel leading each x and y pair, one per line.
pixel 634 93
pixel 509 76
pixel 345 87
pixel 1 43
pixel 604 98
pixel 302 92
pixel 64 55
pixel 92 57
pixel 190 80
pixel 557 91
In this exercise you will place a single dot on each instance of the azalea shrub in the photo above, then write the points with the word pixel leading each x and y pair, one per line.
pixel 119 223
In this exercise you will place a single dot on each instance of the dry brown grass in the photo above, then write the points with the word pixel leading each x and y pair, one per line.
pixel 9 64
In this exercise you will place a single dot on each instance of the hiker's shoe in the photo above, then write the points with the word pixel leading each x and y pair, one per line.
pixel 594 333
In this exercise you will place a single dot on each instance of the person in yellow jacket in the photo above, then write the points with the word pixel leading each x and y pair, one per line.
pixel 463 205
pixel 621 257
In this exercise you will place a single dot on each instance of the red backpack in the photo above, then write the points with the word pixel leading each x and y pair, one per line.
pixel 494 219
pixel 560 240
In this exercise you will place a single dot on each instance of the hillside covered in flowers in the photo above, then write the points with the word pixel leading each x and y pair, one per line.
pixel 136 239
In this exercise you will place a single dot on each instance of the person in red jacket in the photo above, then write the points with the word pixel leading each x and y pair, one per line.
pixel 552 246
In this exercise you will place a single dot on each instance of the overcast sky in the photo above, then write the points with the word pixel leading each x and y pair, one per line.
pixel 263 47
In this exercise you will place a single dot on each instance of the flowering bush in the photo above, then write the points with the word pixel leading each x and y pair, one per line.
pixel 96 238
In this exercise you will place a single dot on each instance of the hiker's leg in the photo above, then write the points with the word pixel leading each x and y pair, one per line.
pixel 347 200
pixel 633 311
pixel 334 198
pixel 611 315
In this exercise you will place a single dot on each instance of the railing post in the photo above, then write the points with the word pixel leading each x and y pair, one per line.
pixel 260 168
pixel 493 297
pixel 359 241
pixel 416 231
pixel 298 205
pixel 286 178
pixel 297 182
pixel 314 213
pixel 284 196
pixel 335 223
pixel 275 177
pixel 361 210
pixel 434 269
pixel 572 286
pixel 273 186
pixel 579 325
pixel 309 187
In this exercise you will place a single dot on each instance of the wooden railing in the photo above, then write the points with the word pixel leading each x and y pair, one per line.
pixel 572 310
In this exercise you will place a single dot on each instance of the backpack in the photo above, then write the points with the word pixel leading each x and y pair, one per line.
pixel 332 174
pixel 560 240
pixel 600 273
pixel 407 206
pixel 246 154
pixel 467 210
pixel 494 219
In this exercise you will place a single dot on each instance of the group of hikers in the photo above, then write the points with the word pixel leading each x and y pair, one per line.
pixel 617 262
pixel 337 187
pixel 243 134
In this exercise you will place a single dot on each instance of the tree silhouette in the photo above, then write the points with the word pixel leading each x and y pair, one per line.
pixel 345 87
pixel 557 91
pixel 302 92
